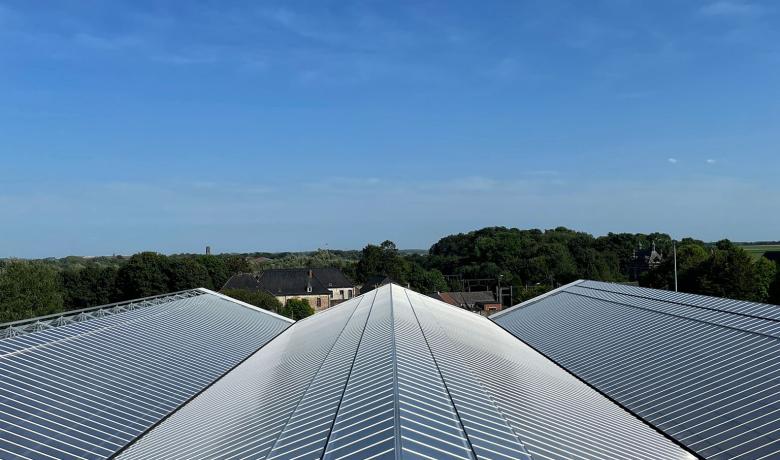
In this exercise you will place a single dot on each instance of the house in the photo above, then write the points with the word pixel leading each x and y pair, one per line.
pixel 644 260
pixel 321 287
pixel 482 302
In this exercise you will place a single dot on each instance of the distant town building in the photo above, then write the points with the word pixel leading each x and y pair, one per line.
pixel 644 260
pixel 321 287
pixel 482 302
pixel 208 250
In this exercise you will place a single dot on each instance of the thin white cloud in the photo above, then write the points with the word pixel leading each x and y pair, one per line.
pixel 711 161
pixel 181 59
pixel 506 69
pixel 731 8
pixel 106 43
pixel 117 217
pixel 672 161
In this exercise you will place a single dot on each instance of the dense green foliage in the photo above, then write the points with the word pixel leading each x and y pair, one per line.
pixel 319 259
pixel 386 260
pixel 531 261
pixel 29 289
pixel 535 261
pixel 88 286
pixel 297 309
pixel 259 299
pixel 722 270
pixel 35 288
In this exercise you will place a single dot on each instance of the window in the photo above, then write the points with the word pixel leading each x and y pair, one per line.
pixel 308 288
pixel 349 293
pixel 319 302
pixel 341 293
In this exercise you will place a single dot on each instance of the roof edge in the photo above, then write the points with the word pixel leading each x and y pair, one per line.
pixel 536 299
pixel 244 304
pixel 20 322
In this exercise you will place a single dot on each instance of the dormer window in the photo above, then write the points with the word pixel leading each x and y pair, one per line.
pixel 308 288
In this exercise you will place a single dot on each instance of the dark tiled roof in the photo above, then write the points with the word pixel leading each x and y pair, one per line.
pixel 246 281
pixel 332 278
pixel 292 281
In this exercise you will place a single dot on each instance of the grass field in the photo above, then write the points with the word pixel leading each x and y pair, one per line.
pixel 758 250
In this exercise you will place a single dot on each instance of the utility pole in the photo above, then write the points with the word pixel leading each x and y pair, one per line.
pixel 674 250
pixel 498 291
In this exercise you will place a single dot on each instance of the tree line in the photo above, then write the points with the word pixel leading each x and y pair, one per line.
pixel 535 261
pixel 531 261
pixel 41 287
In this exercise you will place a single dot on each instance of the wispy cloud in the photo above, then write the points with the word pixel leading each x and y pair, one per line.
pixel 506 69
pixel 105 42
pixel 182 59
pixel 672 160
pixel 731 8
pixel 711 161
pixel 299 24
pixel 186 216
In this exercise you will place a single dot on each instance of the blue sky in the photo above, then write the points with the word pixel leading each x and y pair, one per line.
pixel 167 126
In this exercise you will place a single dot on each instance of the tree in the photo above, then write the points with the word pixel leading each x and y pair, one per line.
pixel 235 264
pixel 732 273
pixel 89 286
pixel 217 270
pixel 426 281
pixel 382 260
pixel 184 273
pixel 765 274
pixel 259 299
pixel 774 288
pixel 144 275
pixel 29 289
pixel 690 257
pixel 297 309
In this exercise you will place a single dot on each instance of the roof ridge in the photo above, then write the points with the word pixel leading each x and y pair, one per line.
pixel 677 302
pixel 681 316
pixel 244 304
pixel 537 299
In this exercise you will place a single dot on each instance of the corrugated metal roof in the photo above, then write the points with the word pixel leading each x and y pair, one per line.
pixel 704 370
pixel 395 374
pixel 86 388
